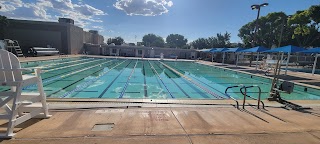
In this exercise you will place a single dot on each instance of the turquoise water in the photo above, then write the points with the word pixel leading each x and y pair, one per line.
pixel 121 78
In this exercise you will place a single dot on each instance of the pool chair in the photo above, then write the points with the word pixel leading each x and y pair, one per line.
pixel 17 106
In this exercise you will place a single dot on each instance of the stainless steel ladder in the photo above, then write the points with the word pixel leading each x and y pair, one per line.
pixel 245 95
pixel 226 93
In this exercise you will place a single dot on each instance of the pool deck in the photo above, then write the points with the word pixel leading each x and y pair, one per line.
pixel 183 125
pixel 173 121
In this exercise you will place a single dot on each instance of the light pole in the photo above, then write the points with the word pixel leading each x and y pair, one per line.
pixel 289 16
pixel 256 7
pixel 176 43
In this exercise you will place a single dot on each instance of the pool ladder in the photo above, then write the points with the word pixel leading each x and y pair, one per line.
pixel 245 95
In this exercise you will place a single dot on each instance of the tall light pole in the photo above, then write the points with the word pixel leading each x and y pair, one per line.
pixel 256 7
pixel 284 20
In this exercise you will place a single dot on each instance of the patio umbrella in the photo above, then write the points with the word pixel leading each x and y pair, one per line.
pixel 257 50
pixel 287 49
pixel 314 50
pixel 220 50
pixel 235 50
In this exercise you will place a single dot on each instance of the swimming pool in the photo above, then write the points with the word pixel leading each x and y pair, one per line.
pixel 86 77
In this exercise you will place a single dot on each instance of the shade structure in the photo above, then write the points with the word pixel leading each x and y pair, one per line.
pixel 205 50
pixel 235 50
pixel 313 50
pixel 287 49
pixel 220 50
pixel 238 49
pixel 255 49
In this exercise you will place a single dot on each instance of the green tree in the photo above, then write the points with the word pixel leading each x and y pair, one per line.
pixel 4 23
pixel 116 40
pixel 200 43
pixel 306 25
pixel 270 28
pixel 176 40
pixel 220 40
pixel 152 40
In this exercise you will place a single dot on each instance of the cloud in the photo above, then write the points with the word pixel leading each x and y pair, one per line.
pixel 143 7
pixel 88 10
pixel 51 10
pixel 99 28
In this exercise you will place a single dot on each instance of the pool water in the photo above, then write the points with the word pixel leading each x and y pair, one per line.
pixel 129 78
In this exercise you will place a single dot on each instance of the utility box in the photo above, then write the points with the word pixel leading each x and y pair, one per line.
pixel 287 87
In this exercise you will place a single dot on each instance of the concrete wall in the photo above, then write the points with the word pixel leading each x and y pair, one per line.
pixel 87 37
pixel 40 34
pixel 76 40
pixel 36 38
pixel 66 37
pixel 132 51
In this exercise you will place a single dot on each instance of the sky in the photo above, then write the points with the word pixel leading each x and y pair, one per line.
pixel 132 19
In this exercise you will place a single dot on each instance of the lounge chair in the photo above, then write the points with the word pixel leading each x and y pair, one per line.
pixel 17 106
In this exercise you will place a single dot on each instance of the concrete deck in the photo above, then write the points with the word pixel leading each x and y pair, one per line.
pixel 175 125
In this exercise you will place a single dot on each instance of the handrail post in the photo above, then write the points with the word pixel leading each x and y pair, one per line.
pixel 244 96
pixel 226 92
pixel 259 97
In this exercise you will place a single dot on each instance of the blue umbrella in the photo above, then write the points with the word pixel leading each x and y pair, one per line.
pixel 257 49
pixel 286 49
pixel 220 50
pixel 313 50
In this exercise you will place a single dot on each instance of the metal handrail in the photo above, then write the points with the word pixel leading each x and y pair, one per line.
pixel 226 93
pixel 245 95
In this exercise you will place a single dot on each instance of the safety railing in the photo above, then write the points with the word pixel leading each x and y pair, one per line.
pixel 226 93
pixel 245 94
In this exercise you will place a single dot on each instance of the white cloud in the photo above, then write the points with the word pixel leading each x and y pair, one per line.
pixel 143 7
pixel 50 10
pixel 88 10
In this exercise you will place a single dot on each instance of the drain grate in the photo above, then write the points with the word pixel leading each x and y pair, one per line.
pixel 103 127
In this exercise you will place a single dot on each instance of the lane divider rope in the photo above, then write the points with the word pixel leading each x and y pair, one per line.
pixel 161 79
pixel 195 83
pixel 59 77
pixel 126 85
pixel 88 83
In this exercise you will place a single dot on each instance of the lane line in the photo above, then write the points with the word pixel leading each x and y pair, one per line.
pixel 171 78
pixel 126 85
pixel 161 79
pixel 88 83
pixel 144 80
pixel 79 79
pixel 195 83
pixel 105 90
